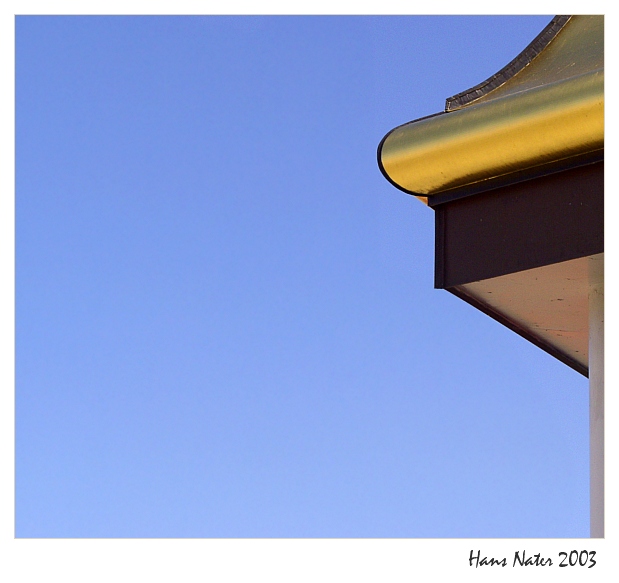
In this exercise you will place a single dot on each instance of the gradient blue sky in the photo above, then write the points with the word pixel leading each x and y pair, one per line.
pixel 225 317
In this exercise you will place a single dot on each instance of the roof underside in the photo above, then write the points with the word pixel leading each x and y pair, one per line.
pixel 550 304
pixel 541 115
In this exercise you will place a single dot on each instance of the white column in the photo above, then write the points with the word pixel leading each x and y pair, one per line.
pixel 596 393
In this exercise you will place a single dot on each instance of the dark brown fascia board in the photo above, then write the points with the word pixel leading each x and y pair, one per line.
pixel 521 226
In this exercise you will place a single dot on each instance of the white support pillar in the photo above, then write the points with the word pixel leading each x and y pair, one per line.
pixel 596 393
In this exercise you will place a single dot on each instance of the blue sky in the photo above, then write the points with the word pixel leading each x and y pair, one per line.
pixel 225 317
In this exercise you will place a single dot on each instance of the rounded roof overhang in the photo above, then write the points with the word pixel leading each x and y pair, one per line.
pixel 544 110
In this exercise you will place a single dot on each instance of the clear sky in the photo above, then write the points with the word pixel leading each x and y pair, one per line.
pixel 225 317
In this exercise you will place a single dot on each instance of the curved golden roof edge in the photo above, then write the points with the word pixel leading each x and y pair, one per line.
pixel 535 47
pixel 551 110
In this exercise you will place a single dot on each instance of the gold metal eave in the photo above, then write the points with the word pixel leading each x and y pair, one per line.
pixel 519 131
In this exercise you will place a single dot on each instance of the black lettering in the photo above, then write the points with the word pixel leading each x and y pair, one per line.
pixel 476 557
pixel 485 561
pixel 561 564
pixel 517 558
pixel 575 562
pixel 593 562
pixel 492 562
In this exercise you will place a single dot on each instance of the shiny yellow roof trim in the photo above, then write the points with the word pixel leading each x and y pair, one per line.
pixel 550 110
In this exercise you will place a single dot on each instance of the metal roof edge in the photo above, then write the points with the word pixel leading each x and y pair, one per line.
pixel 537 45
pixel 537 112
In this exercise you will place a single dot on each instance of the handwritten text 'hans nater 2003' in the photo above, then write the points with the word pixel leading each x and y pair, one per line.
pixel 521 559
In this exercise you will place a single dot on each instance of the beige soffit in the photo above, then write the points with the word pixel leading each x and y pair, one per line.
pixel 544 109
pixel 550 303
